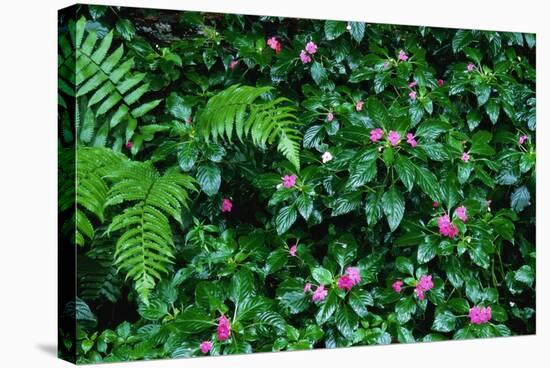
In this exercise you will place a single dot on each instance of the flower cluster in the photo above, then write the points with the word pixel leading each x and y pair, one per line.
pixel 349 279
pixel 275 44
pixel 480 315
pixel 446 227
pixel 423 285
pixel 305 55
pixel 224 328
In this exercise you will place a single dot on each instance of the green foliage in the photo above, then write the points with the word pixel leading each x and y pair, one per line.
pixel 177 129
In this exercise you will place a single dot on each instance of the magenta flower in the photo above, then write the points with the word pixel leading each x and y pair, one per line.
pixel 396 286
pixel 345 283
pixel 233 64
pixel 129 144
pixel 424 284
pixel 330 117
pixel 412 84
pixel 305 57
pixel 465 157
pixel 224 328
pixel 353 274
pixel 307 287
pixel 435 204
pixel 376 135
pixel 274 43
pixel 480 315
pixel 470 67
pixel 319 294
pixel 411 140
pixel 359 106
pixel 394 138
pixel 403 56
pixel 205 347
pixel 522 139
pixel 446 227
pixel 311 47
pixel 440 82
pixel 461 213
pixel 227 205
pixel 412 95
pixel 289 181
pixel 292 250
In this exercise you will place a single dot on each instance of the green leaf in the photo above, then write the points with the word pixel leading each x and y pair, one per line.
pixel 428 182
pixel 357 30
pixel 427 250
pixel 304 203
pixel 520 199
pixel 405 171
pixel 394 207
pixel 334 28
pixel 318 73
pixel 404 265
pixel 209 178
pixel 461 39
pixel 359 300
pixel 525 275
pixel 493 110
pixel 176 106
pixel 214 152
pixel 459 305
pixel 377 111
pixel 188 155
pixel 241 286
pixel 405 308
pixel 373 208
pixel 504 228
pixel 327 308
pixel 480 143
pixel 193 321
pixel 473 118
pixel 444 321
pixel 432 128
pixel 285 219
pixel 276 260
pixel 346 321
pixel 321 275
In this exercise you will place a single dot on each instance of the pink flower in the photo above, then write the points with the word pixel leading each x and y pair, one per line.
pixel 522 139
pixel 440 82
pixel 292 250
pixel 412 95
pixel 305 57
pixel 424 284
pixel 227 205
pixel 403 56
pixel 446 227
pixel 353 274
pixel 465 157
pixel 319 294
pixel 289 181
pixel 376 135
pixel 307 287
pixel 394 138
pixel 224 328
pixel 396 286
pixel 326 157
pixel 470 67
pixel 274 43
pixel 205 347
pixel 344 282
pixel 435 204
pixel 233 64
pixel 359 106
pixel 129 145
pixel 480 315
pixel 330 117
pixel 461 213
pixel 411 140
pixel 412 84
pixel 311 47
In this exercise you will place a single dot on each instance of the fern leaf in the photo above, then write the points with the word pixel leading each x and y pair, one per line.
pixel 238 109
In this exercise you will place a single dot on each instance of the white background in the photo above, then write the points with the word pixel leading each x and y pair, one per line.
pixel 28 183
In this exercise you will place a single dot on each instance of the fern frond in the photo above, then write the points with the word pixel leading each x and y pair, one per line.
pixel 92 164
pixel 144 250
pixel 238 110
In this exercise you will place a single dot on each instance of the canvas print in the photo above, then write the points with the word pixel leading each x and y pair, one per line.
pixel 233 184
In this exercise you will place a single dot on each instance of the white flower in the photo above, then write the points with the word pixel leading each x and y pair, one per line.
pixel 348 27
pixel 326 157
pixel 279 186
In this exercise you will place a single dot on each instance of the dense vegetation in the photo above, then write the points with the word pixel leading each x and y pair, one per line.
pixel 249 184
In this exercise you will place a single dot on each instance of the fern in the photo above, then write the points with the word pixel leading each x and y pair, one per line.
pixel 145 248
pixel 91 189
pixel 106 78
pixel 237 110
